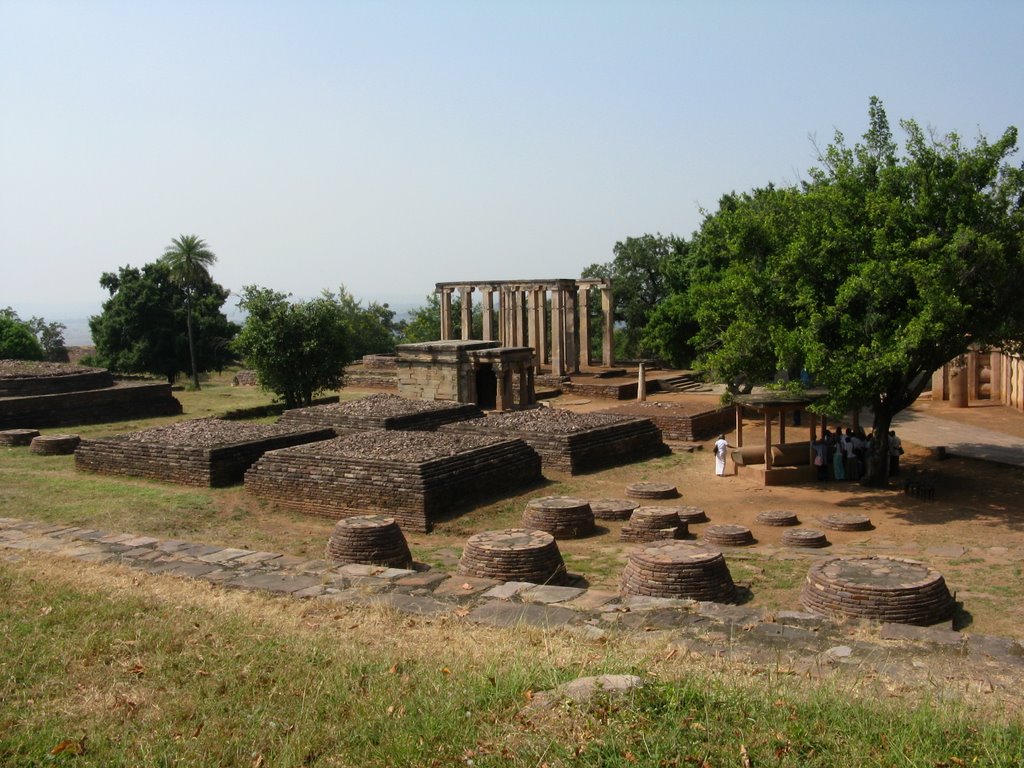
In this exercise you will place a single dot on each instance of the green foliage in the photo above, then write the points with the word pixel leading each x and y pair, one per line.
pixel 297 349
pixel 642 275
pixel 873 274
pixel 49 335
pixel 372 329
pixel 424 323
pixel 17 342
pixel 189 259
pixel 140 327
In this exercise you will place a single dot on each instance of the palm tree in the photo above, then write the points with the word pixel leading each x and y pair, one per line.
pixel 189 260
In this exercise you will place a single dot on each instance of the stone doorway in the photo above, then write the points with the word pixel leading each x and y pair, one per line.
pixel 486 387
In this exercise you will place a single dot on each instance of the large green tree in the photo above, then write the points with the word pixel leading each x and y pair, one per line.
pixel 297 349
pixel 424 322
pixel 140 327
pixel 372 329
pixel 878 270
pixel 189 260
pixel 17 342
pixel 49 335
pixel 641 274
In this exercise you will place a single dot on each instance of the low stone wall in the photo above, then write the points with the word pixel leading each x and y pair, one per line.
pixel 120 402
pixel 360 377
pixel 154 454
pixel 381 411
pixel 571 442
pixel 677 422
pixel 54 378
pixel 414 477
pixel 380 362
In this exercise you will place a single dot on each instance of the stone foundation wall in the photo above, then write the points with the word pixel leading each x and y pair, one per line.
pixel 380 362
pixel 189 465
pixel 125 400
pixel 347 423
pixel 424 381
pixel 414 493
pixel 88 378
pixel 677 423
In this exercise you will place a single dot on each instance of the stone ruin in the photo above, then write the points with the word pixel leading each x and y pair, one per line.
pixel 514 554
pixel 379 411
pixel 415 477
pixel 573 442
pixel 680 422
pixel 677 569
pixel 203 452
pixel 39 394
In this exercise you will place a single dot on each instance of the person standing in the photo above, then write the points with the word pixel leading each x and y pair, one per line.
pixel 721 448
pixel 895 451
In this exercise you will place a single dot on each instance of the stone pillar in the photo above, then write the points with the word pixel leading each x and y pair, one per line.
pixel 500 402
pixel 608 310
pixel 466 294
pixel 557 333
pixel 767 439
pixel 503 329
pixel 446 314
pixel 487 307
pixel 739 425
pixel 641 383
pixel 973 388
pixel 518 337
pixel 542 328
pixel 571 348
pixel 940 384
pixel 995 361
pixel 535 325
pixel 958 385
pixel 583 303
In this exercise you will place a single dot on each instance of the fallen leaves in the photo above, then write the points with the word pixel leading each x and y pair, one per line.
pixel 70 746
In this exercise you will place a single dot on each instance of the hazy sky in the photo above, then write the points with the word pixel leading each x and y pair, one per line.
pixel 391 145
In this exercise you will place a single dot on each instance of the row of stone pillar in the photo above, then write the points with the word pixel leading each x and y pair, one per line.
pixel 522 320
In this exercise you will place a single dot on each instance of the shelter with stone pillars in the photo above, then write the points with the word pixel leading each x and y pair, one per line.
pixel 550 316
pixel 779 463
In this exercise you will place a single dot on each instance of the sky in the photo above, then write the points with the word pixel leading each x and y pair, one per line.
pixel 386 146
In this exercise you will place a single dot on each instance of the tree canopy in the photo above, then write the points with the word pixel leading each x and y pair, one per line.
pixel 17 342
pixel 50 337
pixel 297 349
pixel 881 268
pixel 140 327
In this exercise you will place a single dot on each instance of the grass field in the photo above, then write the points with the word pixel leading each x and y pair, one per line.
pixel 101 666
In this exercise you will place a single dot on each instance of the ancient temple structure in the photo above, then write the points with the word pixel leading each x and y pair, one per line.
pixel 550 316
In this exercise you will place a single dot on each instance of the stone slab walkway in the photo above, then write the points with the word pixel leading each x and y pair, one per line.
pixel 959 439
pixel 793 642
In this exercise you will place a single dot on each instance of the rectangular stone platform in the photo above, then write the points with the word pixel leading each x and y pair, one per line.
pixel 681 422
pixel 574 442
pixel 120 402
pixel 412 476
pixel 380 411
pixel 203 452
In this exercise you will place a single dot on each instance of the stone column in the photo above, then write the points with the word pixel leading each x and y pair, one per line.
pixel 995 362
pixel 500 403
pixel 608 310
pixel 571 348
pixel 583 302
pixel 641 383
pixel 446 314
pixel 958 385
pixel 466 294
pixel 534 325
pixel 767 439
pixel 739 425
pixel 542 328
pixel 557 333
pixel 487 306
pixel 973 379
pixel 503 317
pixel 518 337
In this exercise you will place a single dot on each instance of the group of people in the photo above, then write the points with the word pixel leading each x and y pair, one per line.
pixel 845 456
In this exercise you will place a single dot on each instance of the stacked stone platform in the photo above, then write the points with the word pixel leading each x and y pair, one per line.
pixel 778 517
pixel 574 442
pixel 652 524
pixel 691 515
pixel 847 521
pixel 18 437
pixel 806 538
pixel 371 540
pixel 726 535
pixel 380 411
pixel 678 570
pixel 680 422
pixel 22 378
pixel 514 554
pixel 652 491
pixel 54 445
pixel 412 476
pixel 878 588
pixel 202 452
pixel 613 509
pixel 561 516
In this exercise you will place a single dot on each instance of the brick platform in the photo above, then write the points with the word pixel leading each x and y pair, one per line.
pixel 203 452
pixel 380 411
pixel 680 570
pixel 680 422
pixel 414 477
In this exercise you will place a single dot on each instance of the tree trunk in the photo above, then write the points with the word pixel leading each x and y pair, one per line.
pixel 877 474
pixel 191 345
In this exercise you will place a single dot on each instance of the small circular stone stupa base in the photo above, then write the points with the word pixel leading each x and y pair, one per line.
pixel 561 516
pixel 613 509
pixel 878 588
pixel 652 524
pixel 807 538
pixel 652 491
pixel 369 540
pixel 680 570
pixel 54 445
pixel 779 517
pixel 514 554
pixel 728 535
pixel 691 515
pixel 18 436
pixel 847 521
